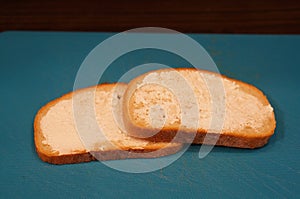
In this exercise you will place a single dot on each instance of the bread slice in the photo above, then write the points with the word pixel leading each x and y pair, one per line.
pixel 96 133
pixel 204 107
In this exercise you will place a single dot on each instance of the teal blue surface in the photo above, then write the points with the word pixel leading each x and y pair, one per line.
pixel 37 67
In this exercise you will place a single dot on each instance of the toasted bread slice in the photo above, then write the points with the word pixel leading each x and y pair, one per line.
pixel 199 104
pixel 70 128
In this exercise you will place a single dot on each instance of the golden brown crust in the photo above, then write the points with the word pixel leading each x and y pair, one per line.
pixel 108 155
pixel 210 139
pixel 231 139
pixel 46 154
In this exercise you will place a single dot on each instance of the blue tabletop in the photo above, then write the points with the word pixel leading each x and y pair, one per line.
pixel 36 67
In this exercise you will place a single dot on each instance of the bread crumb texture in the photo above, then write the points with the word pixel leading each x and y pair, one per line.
pixel 96 123
pixel 164 98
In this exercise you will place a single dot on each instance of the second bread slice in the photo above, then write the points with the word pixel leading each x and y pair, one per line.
pixel 73 127
pixel 198 104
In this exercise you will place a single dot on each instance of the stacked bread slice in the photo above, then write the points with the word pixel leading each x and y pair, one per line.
pixel 59 124
pixel 152 116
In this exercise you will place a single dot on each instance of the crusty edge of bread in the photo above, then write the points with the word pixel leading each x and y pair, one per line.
pixel 230 139
pixel 44 152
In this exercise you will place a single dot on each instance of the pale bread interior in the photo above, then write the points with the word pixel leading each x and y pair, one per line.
pixel 95 111
pixel 223 105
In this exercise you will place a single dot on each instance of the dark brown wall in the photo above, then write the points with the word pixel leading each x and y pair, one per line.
pixel 210 16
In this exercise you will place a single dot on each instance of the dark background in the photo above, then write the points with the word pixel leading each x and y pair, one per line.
pixel 210 16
